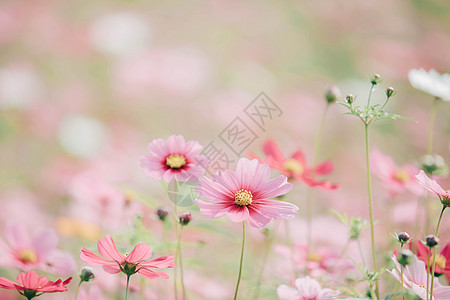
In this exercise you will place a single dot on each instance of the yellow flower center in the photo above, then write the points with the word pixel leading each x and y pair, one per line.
pixel 293 166
pixel 314 257
pixel 28 256
pixel 243 197
pixel 175 161
pixel 440 261
pixel 402 175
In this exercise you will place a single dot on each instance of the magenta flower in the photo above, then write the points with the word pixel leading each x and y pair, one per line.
pixel 395 179
pixel 434 187
pixel 174 159
pixel 32 285
pixel 135 262
pixel 242 195
pixel 305 288
pixel 295 167
pixel 415 280
pixel 34 252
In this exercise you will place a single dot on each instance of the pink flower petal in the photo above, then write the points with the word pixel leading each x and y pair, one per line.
pixel 108 249
pixel 212 210
pixel 90 258
pixel 270 148
pixel 237 213
pixel 141 252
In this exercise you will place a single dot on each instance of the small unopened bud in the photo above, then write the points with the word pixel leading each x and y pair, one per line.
pixel 405 257
pixel 162 213
pixel 390 91
pixel 349 98
pixel 375 79
pixel 185 218
pixel 431 240
pixel 403 237
pixel 434 165
pixel 332 93
pixel 86 274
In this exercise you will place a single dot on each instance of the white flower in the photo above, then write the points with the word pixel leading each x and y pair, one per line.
pixel 431 82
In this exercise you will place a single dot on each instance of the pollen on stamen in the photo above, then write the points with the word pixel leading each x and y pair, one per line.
pixel 243 197
pixel 175 161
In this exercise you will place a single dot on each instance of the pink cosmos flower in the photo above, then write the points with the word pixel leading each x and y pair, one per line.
pixel 442 260
pixel 295 167
pixel 306 288
pixel 36 252
pixel 415 280
pixel 242 195
pixel 135 262
pixel 174 159
pixel 395 179
pixel 32 285
pixel 320 262
pixel 434 187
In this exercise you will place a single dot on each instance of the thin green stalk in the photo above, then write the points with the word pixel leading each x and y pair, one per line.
pixel 240 264
pixel 369 190
pixel 401 273
pixel 428 273
pixel 358 241
pixel 317 141
pixel 431 126
pixel 403 289
pixel 180 258
pixel 175 272
pixel 77 290
pixel 370 96
pixel 128 283
pixel 267 250
pixel 434 254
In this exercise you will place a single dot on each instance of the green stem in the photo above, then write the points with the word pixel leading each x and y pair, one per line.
pixel 358 241
pixel 370 95
pixel 77 290
pixel 181 262
pixel 401 274
pixel 428 272
pixel 175 210
pixel 369 190
pixel 317 141
pixel 240 264
pixel 267 249
pixel 434 253
pixel 128 283
pixel 431 126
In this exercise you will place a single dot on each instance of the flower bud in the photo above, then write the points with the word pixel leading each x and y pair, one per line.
pixel 434 165
pixel 162 213
pixel 185 218
pixel 375 79
pixel 405 257
pixel 86 274
pixel 431 240
pixel 332 93
pixel 403 237
pixel 390 91
pixel 349 98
